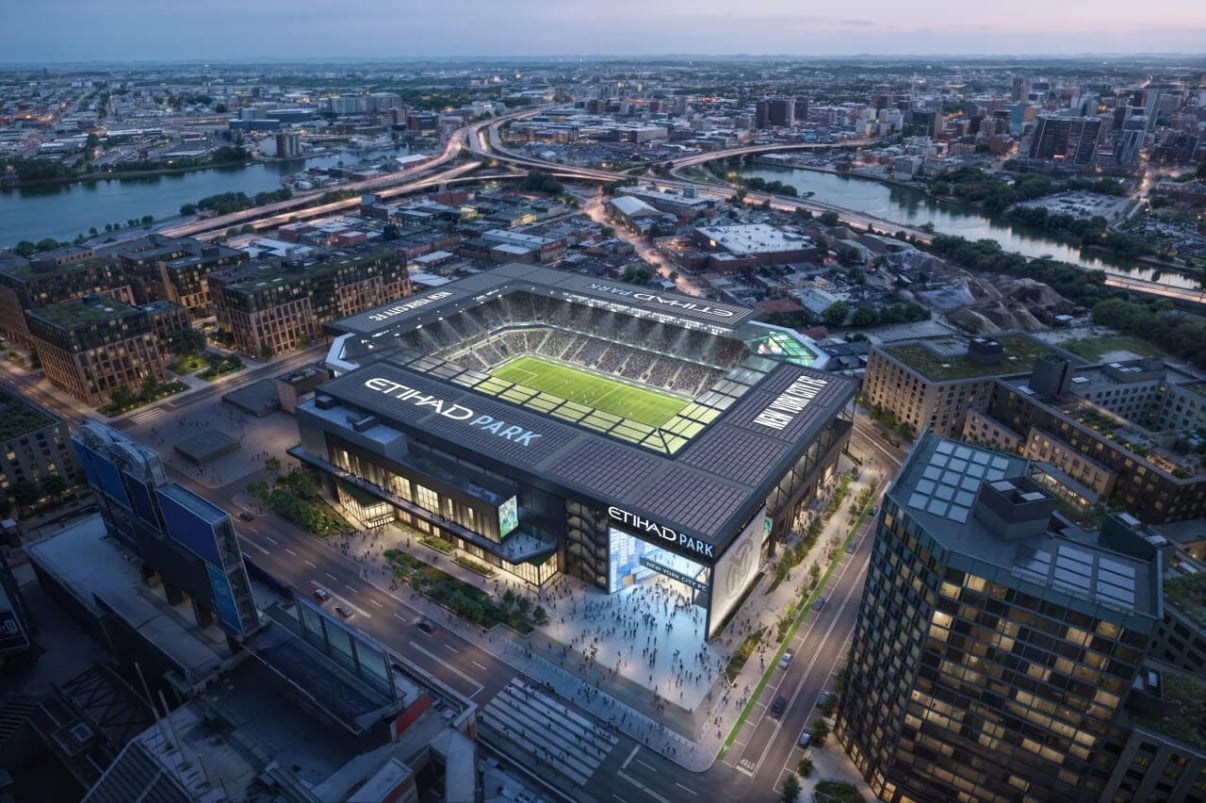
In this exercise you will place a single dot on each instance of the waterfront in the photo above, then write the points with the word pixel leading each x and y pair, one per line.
pixel 62 211
pixel 914 208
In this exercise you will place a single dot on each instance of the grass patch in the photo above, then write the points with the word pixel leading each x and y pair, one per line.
pixel 594 390
pixel 1188 593
pixel 743 653
pixel 1019 356
pixel 220 365
pixel 438 544
pixel 836 792
pixel 461 598
pixel 188 364
pixel 474 566
pixel 1094 349
pixel 124 400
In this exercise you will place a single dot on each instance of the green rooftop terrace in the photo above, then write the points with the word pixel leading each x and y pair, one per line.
pixel 1020 353
pixel 1183 715
pixel 1188 593
pixel 18 418
pixel 78 313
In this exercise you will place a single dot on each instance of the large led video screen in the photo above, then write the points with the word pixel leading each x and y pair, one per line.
pixel 105 475
pixel 508 516
pixel 631 561
pixel 189 528
pixel 224 601
pixel 735 571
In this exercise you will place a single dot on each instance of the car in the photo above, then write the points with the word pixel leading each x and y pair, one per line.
pixel 805 739
pixel 853 545
pixel 874 511
pixel 427 626
pixel 343 611
pixel 823 699
pixel 819 604
pixel 785 660
pixel 321 594
pixel 245 516
pixel 778 706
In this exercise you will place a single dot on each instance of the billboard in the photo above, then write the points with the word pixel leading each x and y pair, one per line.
pixel 735 570
pixel 103 474
pixel 508 516
pixel 224 601
pixel 187 526
pixel 632 560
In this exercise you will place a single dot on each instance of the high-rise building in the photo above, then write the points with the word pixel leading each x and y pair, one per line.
pixel 273 307
pixel 94 345
pixel 775 113
pixel 996 642
pixel 33 446
pixel 1072 140
pixel 1130 141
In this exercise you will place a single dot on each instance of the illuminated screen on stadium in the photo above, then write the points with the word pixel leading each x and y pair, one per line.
pixel 631 561
pixel 508 516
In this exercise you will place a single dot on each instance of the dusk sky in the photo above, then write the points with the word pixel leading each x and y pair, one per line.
pixel 84 30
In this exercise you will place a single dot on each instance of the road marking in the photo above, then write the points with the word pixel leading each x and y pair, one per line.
pixel 375 602
pixel 746 767
pixel 400 617
pixel 641 786
pixel 450 648
pixel 353 589
pixel 453 669
pixel 328 574
pixel 257 546
pixel 686 789
pixel 617 797
pixel 273 540
pixel 312 565
pixel 479 666
pixel 631 756
pixel 646 766
pixel 291 552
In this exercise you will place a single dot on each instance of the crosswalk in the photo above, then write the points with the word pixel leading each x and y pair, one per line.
pixel 542 726
pixel 147 415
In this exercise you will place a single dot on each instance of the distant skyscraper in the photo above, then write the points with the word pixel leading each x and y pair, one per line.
pixel 995 645
pixel 1130 141
pixel 775 113
pixel 1072 140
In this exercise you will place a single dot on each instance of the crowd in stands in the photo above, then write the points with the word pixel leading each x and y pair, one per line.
pixel 648 352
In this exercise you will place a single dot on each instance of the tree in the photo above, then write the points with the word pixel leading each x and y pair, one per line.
pixel 540 616
pixel 188 341
pixel 830 218
pixel 790 791
pixel 54 486
pixel 188 209
pixel 820 732
pixel 804 768
pixel 25 493
pixel 865 316
pixel 273 464
pixel 609 232
pixel 835 314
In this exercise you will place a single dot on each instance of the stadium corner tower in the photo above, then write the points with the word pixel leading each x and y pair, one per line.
pixel 545 422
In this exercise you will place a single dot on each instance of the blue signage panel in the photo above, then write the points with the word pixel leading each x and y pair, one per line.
pixel 224 601
pixel 189 528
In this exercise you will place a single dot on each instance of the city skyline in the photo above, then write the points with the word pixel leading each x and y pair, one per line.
pixel 137 30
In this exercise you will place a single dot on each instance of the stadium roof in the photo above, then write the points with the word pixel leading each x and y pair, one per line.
pixel 708 490
pixel 412 311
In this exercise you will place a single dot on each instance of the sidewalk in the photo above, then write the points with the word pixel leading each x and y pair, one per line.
pixel 691 734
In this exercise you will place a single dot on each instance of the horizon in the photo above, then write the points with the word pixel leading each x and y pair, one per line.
pixel 232 31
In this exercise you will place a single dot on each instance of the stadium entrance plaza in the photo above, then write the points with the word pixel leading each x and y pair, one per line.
pixel 635 658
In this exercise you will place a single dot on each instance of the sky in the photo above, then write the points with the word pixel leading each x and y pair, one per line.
pixel 54 31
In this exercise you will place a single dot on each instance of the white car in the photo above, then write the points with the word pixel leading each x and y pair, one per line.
pixel 321 594
pixel 785 660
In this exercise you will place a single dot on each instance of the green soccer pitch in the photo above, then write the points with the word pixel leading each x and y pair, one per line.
pixel 594 390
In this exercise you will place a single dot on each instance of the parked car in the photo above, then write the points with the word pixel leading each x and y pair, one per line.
pixel 778 706
pixel 853 545
pixel 805 739
pixel 785 660
pixel 321 594
pixel 823 699
pixel 819 605
pixel 874 511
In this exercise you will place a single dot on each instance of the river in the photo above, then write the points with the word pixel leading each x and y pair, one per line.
pixel 62 211
pixel 911 207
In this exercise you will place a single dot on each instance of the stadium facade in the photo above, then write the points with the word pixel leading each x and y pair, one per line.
pixel 585 477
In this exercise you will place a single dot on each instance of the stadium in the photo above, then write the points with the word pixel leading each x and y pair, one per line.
pixel 547 423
